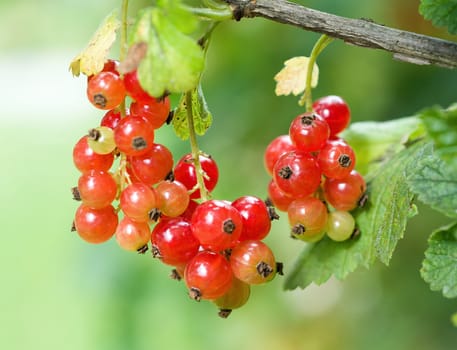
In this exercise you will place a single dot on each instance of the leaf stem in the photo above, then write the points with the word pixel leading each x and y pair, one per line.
pixel 195 149
pixel 220 14
pixel 123 39
pixel 319 46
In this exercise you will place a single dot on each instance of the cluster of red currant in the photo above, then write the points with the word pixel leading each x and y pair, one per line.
pixel 214 245
pixel 313 176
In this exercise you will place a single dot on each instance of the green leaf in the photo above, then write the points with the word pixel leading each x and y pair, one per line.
pixel 441 13
pixel 435 184
pixel 201 115
pixel 92 59
pixel 374 142
pixel 441 125
pixel 439 267
pixel 174 61
pixel 381 223
pixel 454 319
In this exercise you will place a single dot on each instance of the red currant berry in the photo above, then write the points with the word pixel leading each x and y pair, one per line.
pixel 133 235
pixel 208 276
pixel 134 136
pixel 297 174
pixel 105 90
pixel 173 198
pixel 95 225
pixel 185 173
pixel 308 219
pixel 153 166
pixel 255 215
pixel 335 111
pixel 236 297
pixel 155 111
pixel 278 198
pixel 253 262
pixel 344 194
pixel 137 201
pixel 336 159
pixel 109 66
pixel 275 149
pixel 340 225
pixel 97 189
pixel 85 159
pixel 134 89
pixel 309 132
pixel 173 242
pixel 111 119
pixel 217 225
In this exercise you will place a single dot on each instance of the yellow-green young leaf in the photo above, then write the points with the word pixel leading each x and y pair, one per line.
pixel 381 222
pixel 174 61
pixel 201 115
pixel 439 267
pixel 454 319
pixel 91 60
pixel 292 78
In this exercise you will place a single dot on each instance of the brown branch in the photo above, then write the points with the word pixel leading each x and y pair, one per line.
pixel 405 46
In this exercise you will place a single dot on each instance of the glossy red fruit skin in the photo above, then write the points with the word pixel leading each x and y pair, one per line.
pixel 297 174
pixel 208 275
pixel 173 198
pixel 344 194
pixel 216 224
pixel 335 111
pixel 309 132
pixel 95 225
pixel 153 166
pixel 111 119
pixel 255 216
pixel 132 235
pixel 336 159
pixel 245 259
pixel 174 242
pixel 134 89
pixel 97 189
pixel 310 215
pixel 154 111
pixel 275 149
pixel 137 200
pixel 278 198
pixel 85 159
pixel 134 136
pixel 106 90
pixel 185 173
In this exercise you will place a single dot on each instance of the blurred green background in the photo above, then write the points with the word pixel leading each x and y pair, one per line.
pixel 58 292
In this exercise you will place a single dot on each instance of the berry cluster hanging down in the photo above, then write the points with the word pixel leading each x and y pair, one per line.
pixel 313 176
pixel 130 188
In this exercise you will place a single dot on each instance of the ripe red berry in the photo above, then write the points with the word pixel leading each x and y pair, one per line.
pixel 308 219
pixel 335 111
pixel 208 276
pixel 173 242
pixel 216 224
pixel 111 119
pixel 336 159
pixel 85 159
pixel 344 194
pixel 137 201
pixel 134 136
pixel 106 90
pixel 97 189
pixel 133 235
pixel 153 166
pixel 275 149
pixel 134 89
pixel 309 132
pixel 173 198
pixel 255 215
pixel 278 198
pixel 154 111
pixel 185 173
pixel 109 66
pixel 95 225
pixel 297 174
pixel 253 262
